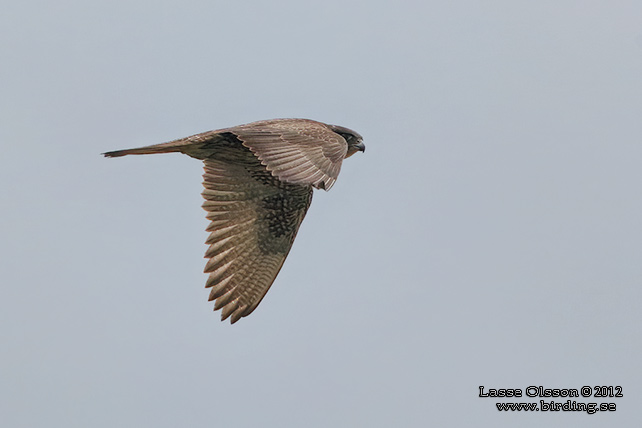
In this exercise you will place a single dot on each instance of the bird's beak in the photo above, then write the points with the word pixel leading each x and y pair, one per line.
pixel 354 148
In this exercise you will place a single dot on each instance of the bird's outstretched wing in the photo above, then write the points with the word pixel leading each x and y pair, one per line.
pixel 254 220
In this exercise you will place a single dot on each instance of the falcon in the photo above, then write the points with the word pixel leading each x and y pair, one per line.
pixel 258 184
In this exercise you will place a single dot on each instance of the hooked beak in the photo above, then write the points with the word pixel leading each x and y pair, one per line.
pixel 360 146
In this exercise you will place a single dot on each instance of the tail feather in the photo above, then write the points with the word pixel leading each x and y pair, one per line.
pixel 147 150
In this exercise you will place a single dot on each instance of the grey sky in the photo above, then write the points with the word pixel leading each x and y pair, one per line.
pixel 490 235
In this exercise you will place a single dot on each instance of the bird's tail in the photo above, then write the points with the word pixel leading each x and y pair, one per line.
pixel 170 147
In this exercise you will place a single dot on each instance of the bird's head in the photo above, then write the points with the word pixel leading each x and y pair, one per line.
pixel 354 140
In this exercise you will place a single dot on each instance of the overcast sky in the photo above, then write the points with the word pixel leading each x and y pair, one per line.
pixel 489 236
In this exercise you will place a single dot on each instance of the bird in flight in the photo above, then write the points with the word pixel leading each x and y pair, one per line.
pixel 258 186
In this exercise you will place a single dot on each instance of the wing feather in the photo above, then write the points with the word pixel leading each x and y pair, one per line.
pixel 254 219
pixel 295 150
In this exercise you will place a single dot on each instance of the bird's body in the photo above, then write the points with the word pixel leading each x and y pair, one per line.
pixel 258 186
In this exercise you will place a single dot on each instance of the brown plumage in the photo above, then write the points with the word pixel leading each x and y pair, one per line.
pixel 258 186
